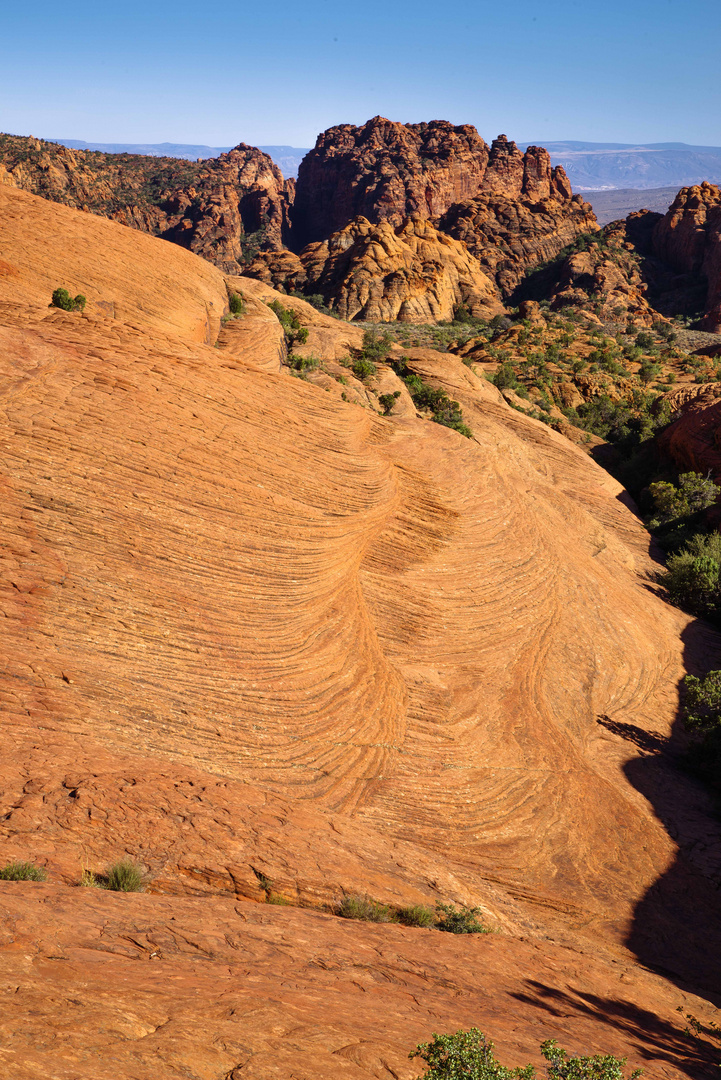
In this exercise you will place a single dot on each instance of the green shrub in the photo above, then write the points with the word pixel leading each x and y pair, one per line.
pixel 692 577
pixel 303 363
pixel 376 345
pixel 505 377
pixel 22 871
pixel 597 1067
pixel 417 915
pixel 702 703
pixel 360 907
pixel 468 1055
pixel 387 401
pixel 295 334
pixel 644 340
pixel 62 299
pixel 124 876
pixel 236 304
pixel 364 369
pixel 701 714
pixel 460 920
pixel 672 503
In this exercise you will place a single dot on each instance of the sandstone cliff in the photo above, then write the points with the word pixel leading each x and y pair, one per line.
pixel 385 171
pixel 688 240
pixel 221 208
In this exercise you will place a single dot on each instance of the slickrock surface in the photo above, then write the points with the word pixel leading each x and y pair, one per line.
pixel 208 206
pixel 688 239
pixel 123 275
pixel 266 641
pixel 410 273
pixel 115 986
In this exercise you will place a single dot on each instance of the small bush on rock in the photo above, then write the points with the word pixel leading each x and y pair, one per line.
pixel 22 871
pixel 417 915
pixel 62 299
pixel 124 876
pixel 236 304
pixel 460 920
pixel 360 907
pixel 468 1055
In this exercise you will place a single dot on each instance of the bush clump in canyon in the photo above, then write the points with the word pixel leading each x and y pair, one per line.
pixel 22 871
pixel 701 714
pixel 62 299
pixel 468 1055
pixel 236 304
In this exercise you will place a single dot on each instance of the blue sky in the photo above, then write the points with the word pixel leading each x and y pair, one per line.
pixel 222 73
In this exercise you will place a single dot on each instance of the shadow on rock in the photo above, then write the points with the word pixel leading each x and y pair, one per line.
pixel 677 925
pixel 655 1039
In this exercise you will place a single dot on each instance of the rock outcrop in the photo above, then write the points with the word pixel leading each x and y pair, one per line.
pixel 223 208
pixel 385 171
pixel 381 273
pixel 512 233
pixel 688 240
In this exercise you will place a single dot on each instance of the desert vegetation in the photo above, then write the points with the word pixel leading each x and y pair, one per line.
pixel 469 1055
pixel 22 871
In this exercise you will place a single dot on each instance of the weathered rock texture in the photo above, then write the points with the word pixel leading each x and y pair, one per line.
pixel 688 239
pixel 511 234
pixel 410 272
pixel 385 171
pixel 252 631
pixel 222 208
pixel 512 210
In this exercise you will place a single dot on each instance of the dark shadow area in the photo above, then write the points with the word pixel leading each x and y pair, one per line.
pixel 648 741
pixel 677 925
pixel 657 1040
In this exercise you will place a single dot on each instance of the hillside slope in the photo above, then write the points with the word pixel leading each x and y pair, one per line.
pixel 256 633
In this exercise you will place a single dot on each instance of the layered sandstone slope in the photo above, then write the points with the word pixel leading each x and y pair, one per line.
pixel 410 273
pixel 226 591
pixel 218 208
pixel 123 274
pixel 385 171
pixel 688 239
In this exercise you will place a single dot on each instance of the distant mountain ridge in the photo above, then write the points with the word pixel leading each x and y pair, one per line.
pixel 287 158
pixel 609 166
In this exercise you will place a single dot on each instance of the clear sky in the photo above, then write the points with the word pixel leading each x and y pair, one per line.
pixel 221 73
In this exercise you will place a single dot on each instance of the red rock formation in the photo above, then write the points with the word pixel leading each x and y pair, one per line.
pixel 512 233
pixel 688 239
pixel 251 631
pixel 385 171
pixel 211 207
pixel 378 273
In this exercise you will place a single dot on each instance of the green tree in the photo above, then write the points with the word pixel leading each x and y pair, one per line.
pixel 693 493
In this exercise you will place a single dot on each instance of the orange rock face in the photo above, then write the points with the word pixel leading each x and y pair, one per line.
pixel 410 273
pixel 688 238
pixel 272 645
pixel 512 233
